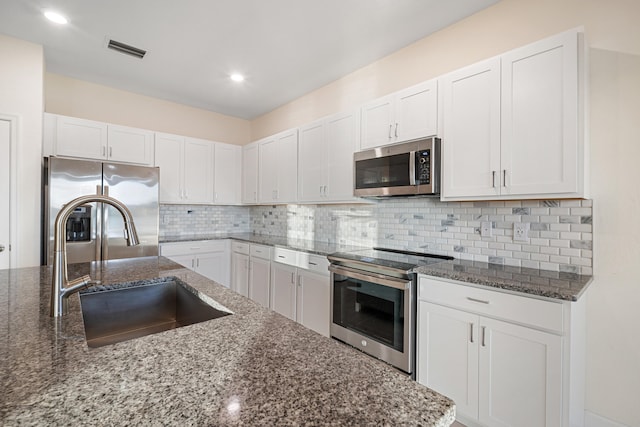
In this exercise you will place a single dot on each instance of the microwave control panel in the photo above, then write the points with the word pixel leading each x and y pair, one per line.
pixel 423 167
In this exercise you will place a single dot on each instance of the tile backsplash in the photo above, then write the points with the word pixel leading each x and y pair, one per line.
pixel 559 237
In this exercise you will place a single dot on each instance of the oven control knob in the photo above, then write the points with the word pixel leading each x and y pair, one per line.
pixel 364 343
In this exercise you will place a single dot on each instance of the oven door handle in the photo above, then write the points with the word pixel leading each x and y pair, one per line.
pixel 379 279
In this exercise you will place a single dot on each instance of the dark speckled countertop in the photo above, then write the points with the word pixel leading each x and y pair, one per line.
pixel 254 367
pixel 525 281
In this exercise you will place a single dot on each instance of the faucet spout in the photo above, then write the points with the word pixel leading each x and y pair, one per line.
pixel 61 286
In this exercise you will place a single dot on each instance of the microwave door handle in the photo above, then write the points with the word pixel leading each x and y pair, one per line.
pixel 412 168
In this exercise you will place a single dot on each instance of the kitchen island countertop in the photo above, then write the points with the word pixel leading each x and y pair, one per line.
pixel 254 367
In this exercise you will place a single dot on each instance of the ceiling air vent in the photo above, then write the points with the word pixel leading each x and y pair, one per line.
pixel 125 48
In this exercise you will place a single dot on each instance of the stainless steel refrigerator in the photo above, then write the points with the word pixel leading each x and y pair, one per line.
pixel 96 231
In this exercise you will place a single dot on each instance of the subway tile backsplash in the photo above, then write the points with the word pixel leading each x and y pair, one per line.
pixel 559 237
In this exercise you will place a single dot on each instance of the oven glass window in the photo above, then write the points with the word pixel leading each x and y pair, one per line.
pixel 373 310
pixel 389 171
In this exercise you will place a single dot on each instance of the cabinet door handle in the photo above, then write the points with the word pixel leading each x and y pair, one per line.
pixel 484 333
pixel 293 278
pixel 493 179
pixel 390 126
pixel 481 301
pixel 299 281
pixel 504 177
pixel 110 152
pixel 197 262
pixel 193 263
pixel 471 332
pixel 104 151
pixel 396 129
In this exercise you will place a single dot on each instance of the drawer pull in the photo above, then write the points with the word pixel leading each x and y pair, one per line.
pixel 280 256
pixel 481 301
pixel 312 263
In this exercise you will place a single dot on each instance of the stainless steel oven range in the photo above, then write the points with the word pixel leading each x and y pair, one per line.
pixel 373 302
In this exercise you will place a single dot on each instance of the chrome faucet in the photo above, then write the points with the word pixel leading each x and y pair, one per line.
pixel 61 286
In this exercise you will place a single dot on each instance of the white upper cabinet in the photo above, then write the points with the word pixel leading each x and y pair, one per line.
pixel 471 143
pixel 87 139
pixel 227 174
pixel 186 169
pixel 513 124
pixel 129 145
pixel 405 115
pixel 278 168
pixel 250 173
pixel 325 159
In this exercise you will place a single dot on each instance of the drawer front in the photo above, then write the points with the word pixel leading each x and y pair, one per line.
pixel 240 247
pixel 316 263
pixel 286 256
pixel 528 311
pixel 260 251
pixel 192 247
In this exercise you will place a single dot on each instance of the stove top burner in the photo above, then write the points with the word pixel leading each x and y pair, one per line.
pixel 394 260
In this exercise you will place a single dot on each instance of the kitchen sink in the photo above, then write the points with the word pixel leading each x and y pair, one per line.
pixel 124 311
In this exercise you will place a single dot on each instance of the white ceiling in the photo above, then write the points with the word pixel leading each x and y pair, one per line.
pixel 285 48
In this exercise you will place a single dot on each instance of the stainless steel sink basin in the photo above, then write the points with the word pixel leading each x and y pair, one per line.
pixel 125 311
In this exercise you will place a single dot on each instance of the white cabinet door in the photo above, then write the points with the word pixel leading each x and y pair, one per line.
pixel 240 273
pixel 227 174
pixel 520 376
pixel 198 171
pixel 416 113
pixel 471 135
pixel 188 261
pixel 447 362
pixel 288 167
pixel 377 123
pixel 169 158
pixel 129 145
pixel 540 141
pixel 250 173
pixel 312 162
pixel 313 301
pixel 342 136
pixel 268 170
pixel 283 290
pixel 278 168
pixel 81 138
pixel 259 275
pixel 214 266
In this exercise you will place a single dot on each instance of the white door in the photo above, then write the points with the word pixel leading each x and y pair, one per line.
pixel 342 137
pixel 287 165
pixel 81 138
pixel 259 278
pixel 540 117
pixel 520 376
pixel 240 273
pixel 130 145
pixel 283 290
pixel 169 158
pixel 215 266
pixel 198 171
pixel 471 135
pixel 268 170
pixel 447 358
pixel 5 194
pixel 312 161
pixel 313 301
pixel 227 173
pixel 417 112
pixel 250 173
pixel 377 123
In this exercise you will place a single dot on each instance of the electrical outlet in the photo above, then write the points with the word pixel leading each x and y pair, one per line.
pixel 521 231
pixel 485 228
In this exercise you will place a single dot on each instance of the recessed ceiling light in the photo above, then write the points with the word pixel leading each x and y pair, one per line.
pixel 237 77
pixel 55 17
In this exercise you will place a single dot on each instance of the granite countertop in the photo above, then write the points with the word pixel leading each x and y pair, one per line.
pixel 527 281
pixel 254 367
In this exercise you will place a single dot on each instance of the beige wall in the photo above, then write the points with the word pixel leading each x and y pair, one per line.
pixel 21 70
pixel 78 98
pixel 613 36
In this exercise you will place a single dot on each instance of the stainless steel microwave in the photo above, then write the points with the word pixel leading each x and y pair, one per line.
pixel 406 169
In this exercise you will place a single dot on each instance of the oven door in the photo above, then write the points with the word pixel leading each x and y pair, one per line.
pixel 374 313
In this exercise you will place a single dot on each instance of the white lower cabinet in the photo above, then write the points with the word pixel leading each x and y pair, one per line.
pixel 211 258
pixel 505 360
pixel 251 270
pixel 300 288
